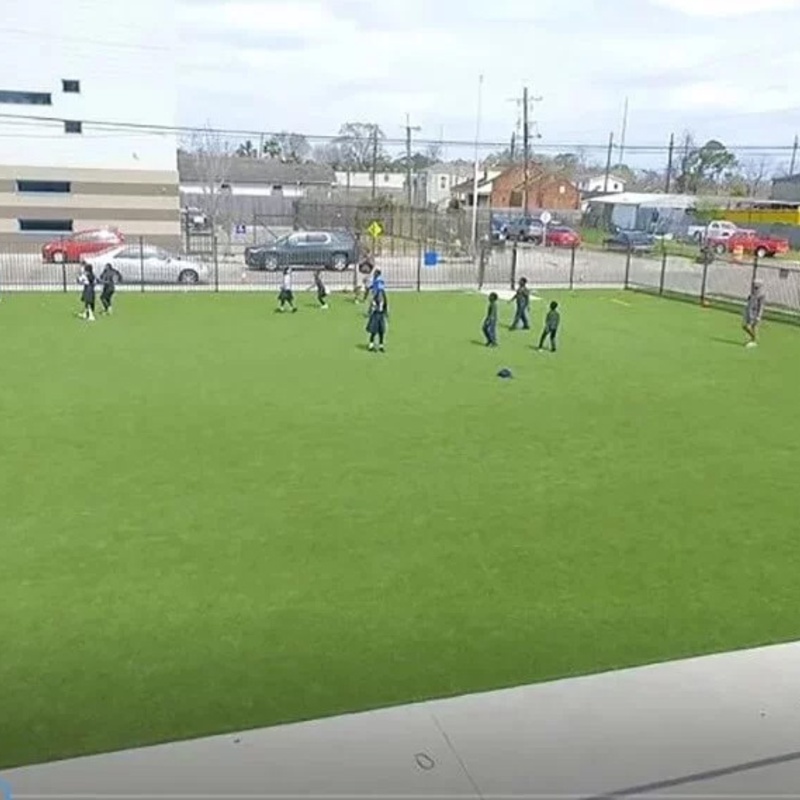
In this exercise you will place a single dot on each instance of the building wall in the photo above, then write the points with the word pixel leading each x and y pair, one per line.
pixel 544 191
pixel 786 190
pixel 394 182
pixel 435 184
pixel 125 64
pixel 598 184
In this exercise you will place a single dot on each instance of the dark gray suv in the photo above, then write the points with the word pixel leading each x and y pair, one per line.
pixel 336 250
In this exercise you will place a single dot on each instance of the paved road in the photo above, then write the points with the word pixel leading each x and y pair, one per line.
pixel 542 267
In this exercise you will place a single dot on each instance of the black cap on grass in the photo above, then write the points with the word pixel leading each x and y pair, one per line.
pixel 505 373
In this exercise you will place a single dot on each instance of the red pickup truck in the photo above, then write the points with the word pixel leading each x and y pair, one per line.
pixel 750 242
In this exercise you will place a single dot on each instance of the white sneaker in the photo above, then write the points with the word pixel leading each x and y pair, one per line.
pixel 750 345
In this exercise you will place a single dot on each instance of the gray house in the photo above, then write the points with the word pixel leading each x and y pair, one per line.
pixel 787 188
pixel 249 188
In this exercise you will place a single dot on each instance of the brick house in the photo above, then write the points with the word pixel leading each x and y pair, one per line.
pixel 546 190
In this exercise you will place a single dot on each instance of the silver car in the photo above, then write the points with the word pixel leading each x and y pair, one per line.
pixel 135 263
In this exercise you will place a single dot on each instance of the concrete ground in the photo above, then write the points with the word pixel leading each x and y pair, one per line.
pixel 725 726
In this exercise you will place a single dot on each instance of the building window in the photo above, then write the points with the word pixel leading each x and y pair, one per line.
pixel 443 182
pixel 45 225
pixel 73 126
pixel 515 200
pixel 71 87
pixel 44 187
pixel 277 188
pixel 26 98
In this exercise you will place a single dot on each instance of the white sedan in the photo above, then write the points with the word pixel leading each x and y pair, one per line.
pixel 135 263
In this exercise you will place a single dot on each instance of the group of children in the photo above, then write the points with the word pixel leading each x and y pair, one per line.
pixel 373 287
pixel 89 282
pixel 522 303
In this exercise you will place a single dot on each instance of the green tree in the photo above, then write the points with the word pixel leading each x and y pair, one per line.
pixel 703 167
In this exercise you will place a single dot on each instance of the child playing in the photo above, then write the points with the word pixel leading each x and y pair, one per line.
pixel 322 292
pixel 522 298
pixel 107 295
pixel 286 296
pixel 376 324
pixel 88 280
pixel 753 313
pixel 551 323
pixel 490 321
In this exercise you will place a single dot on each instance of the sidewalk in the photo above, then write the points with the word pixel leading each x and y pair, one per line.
pixel 721 726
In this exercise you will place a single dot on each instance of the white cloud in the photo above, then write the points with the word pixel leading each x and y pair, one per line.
pixel 727 8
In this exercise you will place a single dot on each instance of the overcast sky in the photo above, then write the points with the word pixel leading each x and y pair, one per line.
pixel 720 68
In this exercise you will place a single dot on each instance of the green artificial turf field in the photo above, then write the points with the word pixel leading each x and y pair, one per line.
pixel 215 517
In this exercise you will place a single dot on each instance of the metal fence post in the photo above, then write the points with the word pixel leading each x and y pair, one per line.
pixel 514 264
pixel 755 268
pixel 704 282
pixel 628 268
pixel 420 257
pixel 483 252
pixel 572 268
pixel 64 275
pixel 663 270
pixel 215 249
pixel 141 264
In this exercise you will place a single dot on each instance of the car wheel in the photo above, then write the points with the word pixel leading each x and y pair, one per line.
pixel 719 249
pixel 271 263
pixel 58 257
pixel 188 276
pixel 762 252
pixel 339 262
pixel 698 237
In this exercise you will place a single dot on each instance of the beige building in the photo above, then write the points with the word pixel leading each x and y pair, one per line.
pixel 84 145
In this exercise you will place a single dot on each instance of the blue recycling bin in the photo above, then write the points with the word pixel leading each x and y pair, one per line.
pixel 431 258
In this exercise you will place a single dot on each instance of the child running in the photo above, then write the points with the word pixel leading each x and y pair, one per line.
pixel 753 313
pixel 322 292
pixel 107 277
pixel 88 280
pixel 551 324
pixel 522 298
pixel 286 296
pixel 490 321
pixel 376 324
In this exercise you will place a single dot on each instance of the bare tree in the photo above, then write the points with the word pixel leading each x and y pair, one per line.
pixel 213 156
pixel 361 146
pixel 755 172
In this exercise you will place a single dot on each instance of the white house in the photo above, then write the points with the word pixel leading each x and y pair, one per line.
pixel 434 185
pixel 73 90
pixel 361 182
pixel 595 183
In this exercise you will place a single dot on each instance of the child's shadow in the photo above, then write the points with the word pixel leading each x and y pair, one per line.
pixel 363 347
pixel 478 343
pixel 721 340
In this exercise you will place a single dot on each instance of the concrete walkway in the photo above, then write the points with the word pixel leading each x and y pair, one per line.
pixel 721 726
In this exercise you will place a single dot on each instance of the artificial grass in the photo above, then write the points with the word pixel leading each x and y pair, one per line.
pixel 216 518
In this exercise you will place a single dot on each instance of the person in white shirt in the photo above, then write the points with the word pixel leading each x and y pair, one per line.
pixel 286 295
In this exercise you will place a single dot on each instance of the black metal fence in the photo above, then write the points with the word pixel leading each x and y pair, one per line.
pixel 421 266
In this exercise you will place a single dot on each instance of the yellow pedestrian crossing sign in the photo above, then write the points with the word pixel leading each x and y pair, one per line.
pixel 375 229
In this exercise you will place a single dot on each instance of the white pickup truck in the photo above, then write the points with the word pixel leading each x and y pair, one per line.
pixel 718 229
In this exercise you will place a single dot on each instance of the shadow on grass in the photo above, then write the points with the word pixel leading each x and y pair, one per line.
pixel 734 342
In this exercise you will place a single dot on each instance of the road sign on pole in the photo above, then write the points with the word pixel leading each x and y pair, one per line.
pixel 375 229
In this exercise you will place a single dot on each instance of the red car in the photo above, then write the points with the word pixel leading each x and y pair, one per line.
pixel 750 242
pixel 563 237
pixel 73 248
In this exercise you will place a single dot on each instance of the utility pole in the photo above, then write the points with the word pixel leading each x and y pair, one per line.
pixel 374 160
pixel 409 172
pixel 670 155
pixel 624 133
pixel 526 149
pixel 794 154
pixel 513 148
pixel 608 161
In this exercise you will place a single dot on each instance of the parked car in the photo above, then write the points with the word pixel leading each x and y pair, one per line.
pixel 73 248
pixel 630 241
pixel 306 249
pixel 750 242
pixel 561 236
pixel 136 264
pixel 525 229
pixel 716 229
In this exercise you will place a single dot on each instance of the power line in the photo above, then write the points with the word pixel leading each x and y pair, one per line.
pixel 188 130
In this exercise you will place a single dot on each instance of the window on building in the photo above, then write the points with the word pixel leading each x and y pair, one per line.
pixel 277 188
pixel 515 200
pixel 45 225
pixel 73 126
pixel 71 87
pixel 44 187
pixel 26 98
pixel 443 182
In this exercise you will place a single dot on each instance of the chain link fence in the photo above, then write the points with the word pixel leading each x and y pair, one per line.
pixel 419 266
